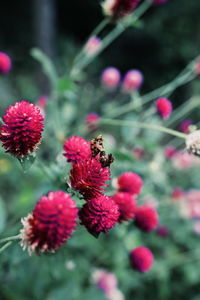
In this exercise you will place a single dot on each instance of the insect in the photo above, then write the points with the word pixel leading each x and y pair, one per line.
pixel 98 148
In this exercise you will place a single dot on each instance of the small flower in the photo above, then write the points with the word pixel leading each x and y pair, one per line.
pixel 138 153
pixel 5 63
pixel 132 81
pixel 146 218
pixel 76 149
pixel 185 126
pixel 130 182
pixel 177 193
pixel 141 259
pixel 88 178
pixel 51 223
pixel 162 231
pixel 110 77
pixel 91 120
pixel 184 160
pixel 193 142
pixel 99 214
pixel 127 206
pixel 21 132
pixel 105 280
pixel 170 151
pixel 93 45
pixel 117 9
pixel 164 107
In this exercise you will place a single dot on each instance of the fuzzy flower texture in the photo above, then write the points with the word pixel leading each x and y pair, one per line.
pixel 21 132
pixel 51 223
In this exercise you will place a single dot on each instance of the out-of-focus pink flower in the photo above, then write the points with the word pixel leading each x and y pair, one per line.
pixel 5 63
pixel 42 101
pixel 193 203
pixel 162 231
pixel 177 193
pixel 184 126
pixel 169 151
pixel 132 81
pixel 197 67
pixel 184 160
pixel 117 9
pixel 164 107
pixel 146 218
pixel 150 201
pixel 93 45
pixel 127 206
pixel 130 182
pixel 110 77
pixel 91 120
pixel 105 280
pixel 138 153
pixel 141 259
pixel 196 227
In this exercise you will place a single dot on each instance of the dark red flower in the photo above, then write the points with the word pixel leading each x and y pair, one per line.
pixel 99 214
pixel 141 259
pixel 185 126
pixel 127 206
pixel 177 193
pixel 170 151
pixel 146 218
pixel 5 63
pixel 88 178
pixel 51 223
pixel 164 107
pixel 162 231
pixel 129 182
pixel 76 149
pixel 117 9
pixel 22 129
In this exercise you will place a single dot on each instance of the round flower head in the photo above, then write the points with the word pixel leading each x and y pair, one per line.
pixel 51 223
pixel 117 9
pixel 170 151
pixel 162 231
pixel 99 214
pixel 177 193
pixel 146 218
pixel 22 129
pixel 5 63
pixel 127 206
pixel 185 126
pixel 76 149
pixel 110 77
pixel 130 182
pixel 132 81
pixel 106 281
pixel 92 45
pixel 164 107
pixel 141 259
pixel 91 120
pixel 193 142
pixel 88 178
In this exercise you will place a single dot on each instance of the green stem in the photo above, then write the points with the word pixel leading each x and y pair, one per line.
pixel 5 246
pixel 121 27
pixel 10 238
pixel 143 125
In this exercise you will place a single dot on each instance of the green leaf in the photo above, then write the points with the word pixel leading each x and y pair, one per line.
pixel 65 84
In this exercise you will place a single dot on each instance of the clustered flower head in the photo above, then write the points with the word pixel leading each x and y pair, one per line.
pixel 21 132
pixel 127 206
pixel 5 63
pixel 110 77
pixel 141 259
pixel 193 142
pixel 99 214
pixel 164 107
pixel 50 224
pixel 130 182
pixel 132 81
pixel 77 149
pixel 146 218
pixel 117 9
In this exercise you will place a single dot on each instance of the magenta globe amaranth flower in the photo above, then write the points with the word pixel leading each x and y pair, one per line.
pixel 164 107
pixel 5 63
pixel 92 45
pixel 132 81
pixel 141 259
pixel 76 149
pixel 110 77
pixel 21 132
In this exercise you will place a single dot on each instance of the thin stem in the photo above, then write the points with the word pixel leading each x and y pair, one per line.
pixel 10 238
pixel 143 125
pixel 5 246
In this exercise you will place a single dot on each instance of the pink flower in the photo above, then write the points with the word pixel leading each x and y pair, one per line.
pixel 170 151
pixel 184 160
pixel 5 63
pixel 146 218
pixel 110 77
pixel 106 281
pixel 127 206
pixel 89 178
pixel 184 126
pixel 51 223
pixel 99 214
pixel 21 132
pixel 130 182
pixel 162 231
pixel 93 45
pixel 132 81
pixel 76 149
pixel 141 259
pixel 117 9
pixel 164 107
pixel 138 153
pixel 197 67
pixel 177 193
pixel 91 120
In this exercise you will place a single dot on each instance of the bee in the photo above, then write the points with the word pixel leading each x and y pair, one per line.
pixel 98 148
